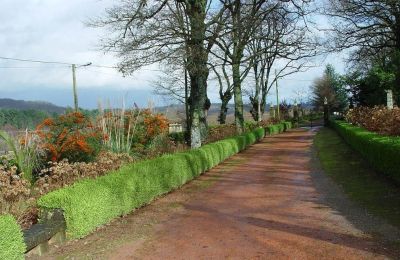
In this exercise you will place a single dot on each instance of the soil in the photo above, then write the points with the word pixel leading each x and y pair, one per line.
pixel 267 202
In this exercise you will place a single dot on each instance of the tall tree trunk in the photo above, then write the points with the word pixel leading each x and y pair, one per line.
pixel 198 99
pixel 237 91
pixel 255 101
pixel 225 98
pixel 264 89
pixel 187 106
pixel 397 58
pixel 198 72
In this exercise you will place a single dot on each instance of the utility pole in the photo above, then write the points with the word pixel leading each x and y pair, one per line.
pixel 74 87
pixel 76 107
pixel 277 97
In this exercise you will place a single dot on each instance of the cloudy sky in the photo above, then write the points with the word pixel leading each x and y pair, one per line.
pixel 54 30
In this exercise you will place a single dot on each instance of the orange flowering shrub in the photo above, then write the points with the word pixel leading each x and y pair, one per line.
pixel 377 119
pixel 155 124
pixel 71 136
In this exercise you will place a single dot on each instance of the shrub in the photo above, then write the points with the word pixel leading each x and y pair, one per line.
pixel 250 125
pixel 71 136
pixel 133 128
pixel 377 119
pixel 178 138
pixel 64 173
pixel 14 191
pixel 155 124
pixel 275 129
pixel 90 203
pixel 382 152
pixel 162 144
pixel 219 132
pixel 12 244
pixel 287 126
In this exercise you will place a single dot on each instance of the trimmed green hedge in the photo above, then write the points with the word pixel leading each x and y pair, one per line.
pixel 88 204
pixel 382 152
pixel 278 128
pixel 12 244
pixel 287 125
pixel 274 129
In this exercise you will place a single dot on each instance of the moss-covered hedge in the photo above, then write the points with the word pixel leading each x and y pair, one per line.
pixel 287 125
pixel 278 128
pixel 12 244
pixel 91 203
pixel 382 152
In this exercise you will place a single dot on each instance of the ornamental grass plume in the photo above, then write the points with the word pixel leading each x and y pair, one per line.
pixel 118 127
pixel 25 152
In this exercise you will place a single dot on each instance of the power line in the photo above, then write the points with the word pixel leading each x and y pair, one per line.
pixel 35 61
pixel 307 80
pixel 102 66
pixel 54 62
pixel 29 67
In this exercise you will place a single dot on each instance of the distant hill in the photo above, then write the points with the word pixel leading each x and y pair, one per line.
pixel 8 103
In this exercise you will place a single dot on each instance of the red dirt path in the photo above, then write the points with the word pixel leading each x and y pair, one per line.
pixel 261 205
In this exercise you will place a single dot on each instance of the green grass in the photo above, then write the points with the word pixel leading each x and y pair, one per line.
pixel 12 244
pixel 382 152
pixel 379 195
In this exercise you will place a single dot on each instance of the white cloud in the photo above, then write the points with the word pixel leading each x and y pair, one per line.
pixel 54 30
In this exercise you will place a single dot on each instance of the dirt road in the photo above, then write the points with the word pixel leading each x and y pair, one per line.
pixel 260 204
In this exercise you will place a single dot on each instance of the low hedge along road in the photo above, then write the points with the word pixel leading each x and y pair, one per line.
pixel 382 152
pixel 89 204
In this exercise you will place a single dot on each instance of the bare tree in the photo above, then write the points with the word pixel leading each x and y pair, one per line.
pixel 222 69
pixel 243 19
pixel 283 44
pixel 223 77
pixel 147 32
pixel 173 84
pixel 371 26
pixel 245 40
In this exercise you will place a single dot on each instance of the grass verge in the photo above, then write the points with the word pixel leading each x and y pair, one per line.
pixel 347 168
pixel 12 245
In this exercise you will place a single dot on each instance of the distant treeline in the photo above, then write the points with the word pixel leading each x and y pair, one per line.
pixel 30 118
pixel 22 119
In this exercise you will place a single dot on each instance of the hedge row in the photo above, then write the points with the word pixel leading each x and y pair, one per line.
pixel 91 203
pixel 287 125
pixel 278 128
pixel 12 244
pixel 382 152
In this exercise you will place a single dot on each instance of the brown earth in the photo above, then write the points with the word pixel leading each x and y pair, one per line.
pixel 260 204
